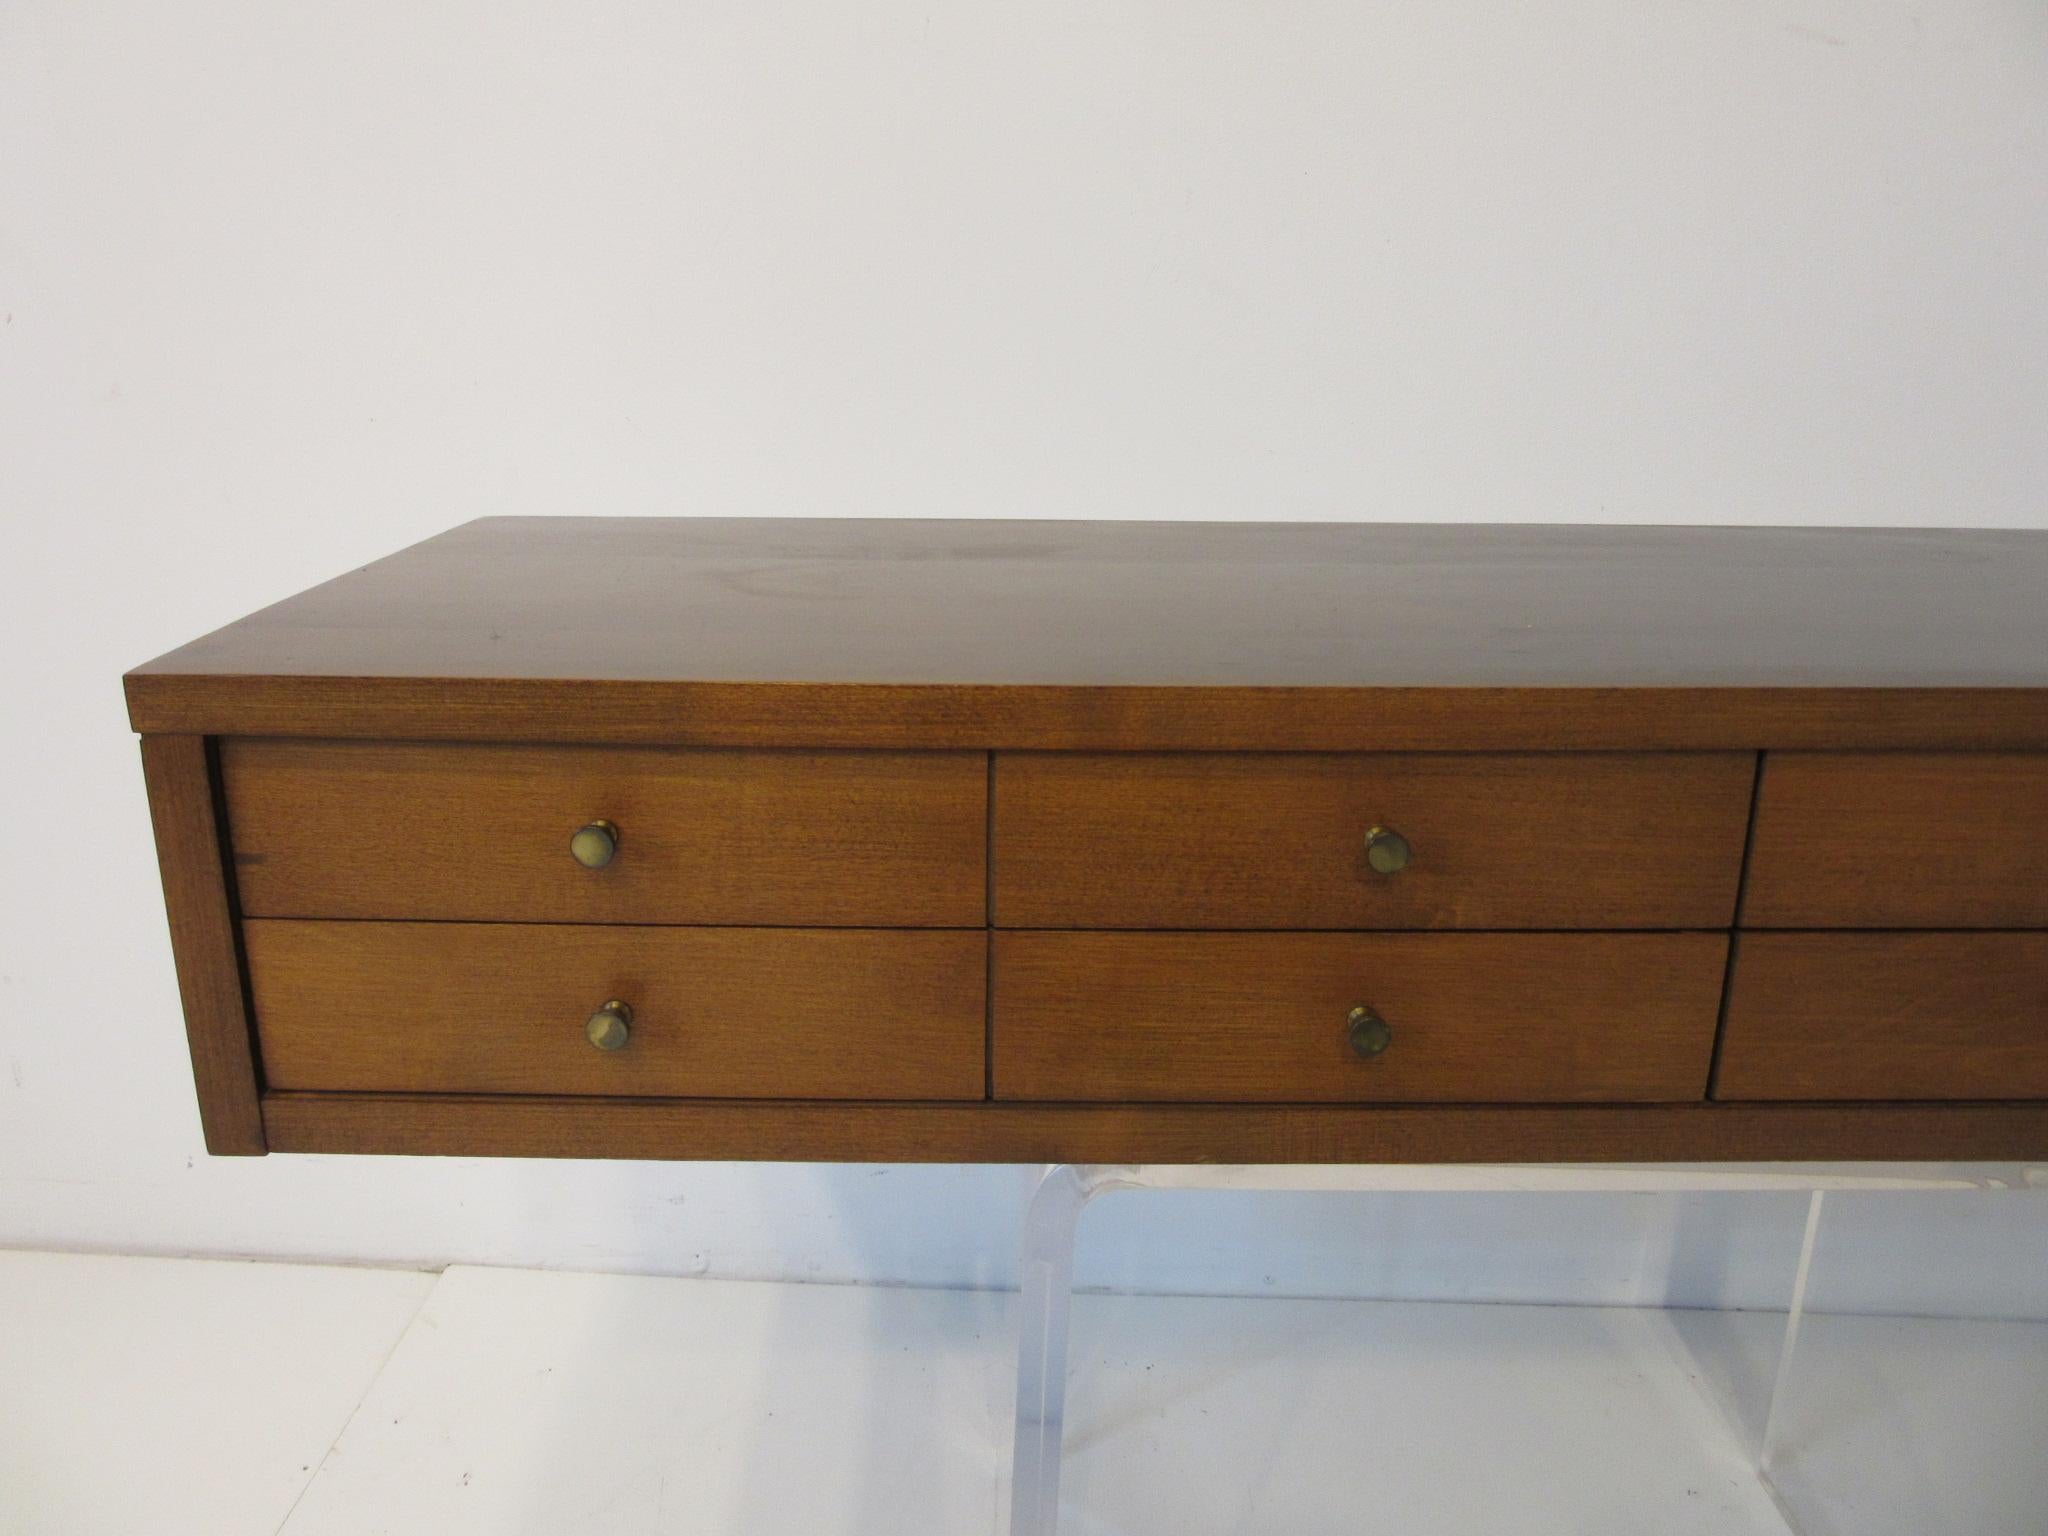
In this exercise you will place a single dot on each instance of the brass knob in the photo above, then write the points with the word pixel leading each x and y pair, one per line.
pixel 593 846
pixel 1387 851
pixel 610 1027
pixel 1369 1033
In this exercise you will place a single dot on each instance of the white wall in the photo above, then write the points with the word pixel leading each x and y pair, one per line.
pixel 286 286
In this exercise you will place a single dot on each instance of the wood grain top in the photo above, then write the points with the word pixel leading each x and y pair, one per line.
pixel 927 633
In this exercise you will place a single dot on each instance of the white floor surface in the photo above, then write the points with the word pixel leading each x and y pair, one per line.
pixel 157 1397
pixel 163 1396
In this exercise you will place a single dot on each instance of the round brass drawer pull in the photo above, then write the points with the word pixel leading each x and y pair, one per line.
pixel 1369 1033
pixel 594 846
pixel 1387 851
pixel 610 1027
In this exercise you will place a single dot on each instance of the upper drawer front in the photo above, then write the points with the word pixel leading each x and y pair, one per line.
pixel 1887 1016
pixel 1268 1017
pixel 368 829
pixel 715 1012
pixel 1900 840
pixel 1587 840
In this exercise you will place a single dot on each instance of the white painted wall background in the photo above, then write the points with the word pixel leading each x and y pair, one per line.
pixel 288 285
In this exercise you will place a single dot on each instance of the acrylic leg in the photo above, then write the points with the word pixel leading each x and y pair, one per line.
pixel 1045 1281
pixel 1767 1450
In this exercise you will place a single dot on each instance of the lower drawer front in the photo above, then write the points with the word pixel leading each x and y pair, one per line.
pixel 1257 1017
pixel 1887 1016
pixel 715 1012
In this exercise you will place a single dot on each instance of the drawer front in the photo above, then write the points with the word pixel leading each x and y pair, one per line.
pixel 1886 1016
pixel 1243 1017
pixel 1900 840
pixel 715 1013
pixel 1593 840
pixel 369 829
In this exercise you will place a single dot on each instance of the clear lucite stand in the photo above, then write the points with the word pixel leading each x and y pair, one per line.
pixel 1046 1281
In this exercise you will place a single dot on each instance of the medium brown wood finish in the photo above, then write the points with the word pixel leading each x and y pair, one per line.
pixel 1136 636
pixel 1150 1133
pixel 1900 840
pixel 179 778
pixel 1887 1016
pixel 1210 840
pixel 1193 726
pixel 1089 719
pixel 717 1012
pixel 354 829
pixel 1238 1017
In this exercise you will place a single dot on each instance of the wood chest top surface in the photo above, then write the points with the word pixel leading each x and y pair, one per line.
pixel 1142 635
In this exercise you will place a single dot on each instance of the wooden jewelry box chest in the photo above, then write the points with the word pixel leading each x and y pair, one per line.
pixel 1120 842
